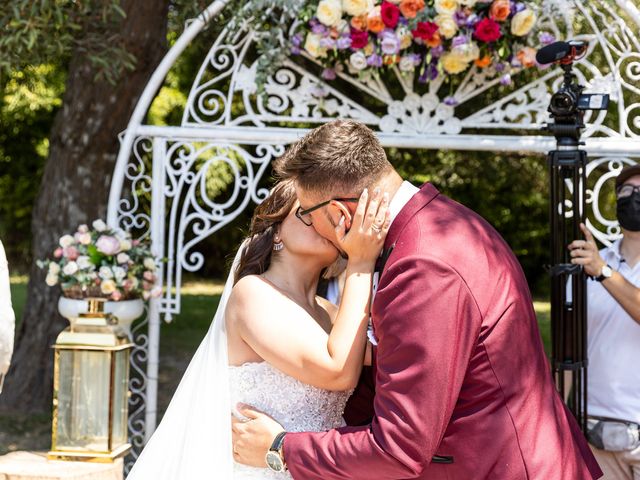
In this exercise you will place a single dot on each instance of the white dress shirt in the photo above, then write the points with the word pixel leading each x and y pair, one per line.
pixel 7 318
pixel 613 340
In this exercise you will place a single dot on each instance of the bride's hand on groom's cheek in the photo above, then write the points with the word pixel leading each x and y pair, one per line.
pixel 252 438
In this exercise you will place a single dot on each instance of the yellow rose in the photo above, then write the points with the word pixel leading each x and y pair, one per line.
pixel 522 22
pixel 447 26
pixel 453 63
pixel 369 49
pixel 312 46
pixel 448 7
pixel 355 8
pixel 329 12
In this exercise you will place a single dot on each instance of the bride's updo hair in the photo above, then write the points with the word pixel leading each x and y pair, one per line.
pixel 258 248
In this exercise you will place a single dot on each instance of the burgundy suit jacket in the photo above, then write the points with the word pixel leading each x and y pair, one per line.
pixel 459 370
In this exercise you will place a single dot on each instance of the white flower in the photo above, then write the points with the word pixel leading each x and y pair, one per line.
pixel 407 64
pixel 356 8
pixel 312 46
pixel 108 287
pixel 99 225
pixel 156 291
pixel 123 258
pixel 84 262
pixel 329 12
pixel 125 245
pixel 467 51
pixel 119 273
pixel 70 268
pixel 105 273
pixel 468 3
pixel 83 237
pixel 447 25
pixel 66 241
pixel 447 7
pixel 54 268
pixel 51 279
pixel 358 60
pixel 150 264
pixel 83 228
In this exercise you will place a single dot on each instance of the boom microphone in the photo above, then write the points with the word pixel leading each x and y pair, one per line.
pixel 564 52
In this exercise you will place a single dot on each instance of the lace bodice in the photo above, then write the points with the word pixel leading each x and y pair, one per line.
pixel 297 406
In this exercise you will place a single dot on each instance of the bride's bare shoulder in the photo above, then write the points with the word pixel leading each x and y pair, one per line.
pixel 250 295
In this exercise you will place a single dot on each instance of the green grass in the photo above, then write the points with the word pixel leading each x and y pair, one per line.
pixel 199 303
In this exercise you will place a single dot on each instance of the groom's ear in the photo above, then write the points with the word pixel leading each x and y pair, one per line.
pixel 345 212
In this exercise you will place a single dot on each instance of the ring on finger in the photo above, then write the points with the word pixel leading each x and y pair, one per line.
pixel 376 228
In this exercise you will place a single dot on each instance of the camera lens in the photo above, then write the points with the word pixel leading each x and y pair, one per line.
pixel 563 103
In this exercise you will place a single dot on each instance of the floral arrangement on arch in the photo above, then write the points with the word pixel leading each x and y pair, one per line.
pixel 102 262
pixel 432 37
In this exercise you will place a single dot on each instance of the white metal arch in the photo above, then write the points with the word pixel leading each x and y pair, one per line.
pixel 171 164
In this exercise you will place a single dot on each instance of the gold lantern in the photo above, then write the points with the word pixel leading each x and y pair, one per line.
pixel 90 388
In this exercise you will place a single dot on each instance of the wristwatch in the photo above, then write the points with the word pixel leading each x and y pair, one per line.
pixel 275 455
pixel 605 273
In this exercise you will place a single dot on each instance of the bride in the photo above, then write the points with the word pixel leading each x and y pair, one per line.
pixel 273 343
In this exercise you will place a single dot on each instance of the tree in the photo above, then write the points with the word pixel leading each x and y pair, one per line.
pixel 83 142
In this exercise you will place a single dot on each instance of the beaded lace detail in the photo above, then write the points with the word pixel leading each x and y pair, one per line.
pixel 298 407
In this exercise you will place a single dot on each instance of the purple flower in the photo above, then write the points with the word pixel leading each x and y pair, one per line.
pixel 437 51
pixel 389 42
pixel 319 29
pixel 343 43
pixel 505 79
pixel 451 101
pixel 374 60
pixel 546 38
pixel 472 20
pixel 459 40
pixel 432 71
pixel 460 17
pixel 328 43
pixel 296 40
pixel 518 7
pixel 295 50
pixel 329 74
pixel 499 67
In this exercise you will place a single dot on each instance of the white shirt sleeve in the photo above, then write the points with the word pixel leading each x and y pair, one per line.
pixel 7 318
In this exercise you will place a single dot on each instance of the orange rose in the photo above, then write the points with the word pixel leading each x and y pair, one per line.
pixel 500 10
pixel 374 21
pixel 527 57
pixel 410 8
pixel 434 41
pixel 483 62
pixel 359 23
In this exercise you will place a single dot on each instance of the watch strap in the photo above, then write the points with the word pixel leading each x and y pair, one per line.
pixel 276 446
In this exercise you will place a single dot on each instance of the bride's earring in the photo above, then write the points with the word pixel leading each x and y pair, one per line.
pixel 278 245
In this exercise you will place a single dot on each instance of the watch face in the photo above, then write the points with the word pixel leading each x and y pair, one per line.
pixel 274 461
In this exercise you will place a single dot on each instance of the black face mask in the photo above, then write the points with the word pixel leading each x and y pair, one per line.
pixel 628 212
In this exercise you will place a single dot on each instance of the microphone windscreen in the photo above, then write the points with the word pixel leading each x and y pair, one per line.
pixel 553 52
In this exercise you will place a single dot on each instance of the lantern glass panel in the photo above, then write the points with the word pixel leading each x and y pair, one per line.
pixel 83 400
pixel 120 398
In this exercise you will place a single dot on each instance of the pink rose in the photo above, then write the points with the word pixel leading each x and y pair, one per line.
pixel 71 253
pixel 57 253
pixel 116 296
pixel 359 39
pixel 149 276
pixel 108 245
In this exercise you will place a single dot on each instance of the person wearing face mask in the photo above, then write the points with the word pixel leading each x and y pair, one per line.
pixel 613 335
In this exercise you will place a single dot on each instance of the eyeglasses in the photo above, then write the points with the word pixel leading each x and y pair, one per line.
pixel 304 217
pixel 627 190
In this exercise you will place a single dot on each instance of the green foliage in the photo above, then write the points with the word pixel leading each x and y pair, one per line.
pixel 29 100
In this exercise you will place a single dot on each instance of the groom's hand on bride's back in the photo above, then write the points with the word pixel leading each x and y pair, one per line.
pixel 252 436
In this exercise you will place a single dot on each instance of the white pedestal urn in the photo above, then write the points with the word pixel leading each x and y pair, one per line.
pixel 126 311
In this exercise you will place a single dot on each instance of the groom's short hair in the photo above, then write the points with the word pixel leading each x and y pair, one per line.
pixel 342 156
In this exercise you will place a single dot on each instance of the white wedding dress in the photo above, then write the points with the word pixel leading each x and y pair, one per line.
pixel 298 407
pixel 193 441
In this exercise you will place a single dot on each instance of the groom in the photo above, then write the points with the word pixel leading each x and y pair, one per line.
pixel 463 389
